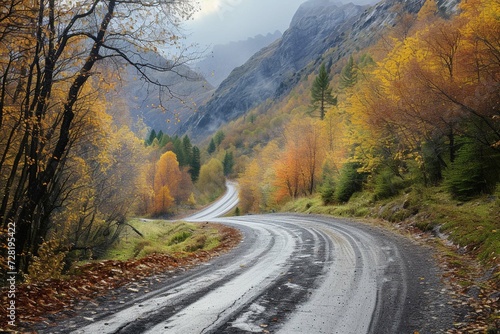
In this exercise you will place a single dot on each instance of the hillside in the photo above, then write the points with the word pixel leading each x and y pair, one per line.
pixel 319 31
pixel 273 71
pixel 163 109
pixel 412 142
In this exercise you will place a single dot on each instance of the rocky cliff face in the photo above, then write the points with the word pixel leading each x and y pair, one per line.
pixel 317 27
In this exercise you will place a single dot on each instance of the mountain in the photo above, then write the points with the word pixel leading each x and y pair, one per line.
pixel 272 71
pixel 162 109
pixel 224 58
pixel 187 90
pixel 320 31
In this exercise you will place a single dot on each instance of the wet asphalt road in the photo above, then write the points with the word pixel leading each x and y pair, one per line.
pixel 291 274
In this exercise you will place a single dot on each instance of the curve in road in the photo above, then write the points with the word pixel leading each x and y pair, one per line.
pixel 297 274
pixel 220 207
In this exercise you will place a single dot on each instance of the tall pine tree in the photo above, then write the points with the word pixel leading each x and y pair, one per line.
pixel 321 93
pixel 211 147
pixel 195 164
pixel 349 74
pixel 228 163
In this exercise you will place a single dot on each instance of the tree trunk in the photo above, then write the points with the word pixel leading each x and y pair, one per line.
pixel 38 188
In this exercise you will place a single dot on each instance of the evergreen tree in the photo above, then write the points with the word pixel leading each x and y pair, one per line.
pixel 321 93
pixel 219 137
pixel 187 147
pixel 475 170
pixel 348 75
pixel 151 137
pixel 160 135
pixel 195 164
pixel 228 163
pixel 179 151
pixel 165 139
pixel 211 147
pixel 350 181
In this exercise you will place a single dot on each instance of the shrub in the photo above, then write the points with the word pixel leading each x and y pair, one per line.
pixel 350 181
pixel 386 184
pixel 474 171
pixel 179 237
pixel 327 191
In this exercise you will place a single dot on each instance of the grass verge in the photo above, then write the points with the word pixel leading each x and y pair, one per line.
pixel 164 237
pixel 164 247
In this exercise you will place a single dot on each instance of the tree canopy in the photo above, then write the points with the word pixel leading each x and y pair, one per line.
pixel 57 57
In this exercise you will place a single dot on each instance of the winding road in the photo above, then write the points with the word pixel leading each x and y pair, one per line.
pixel 293 273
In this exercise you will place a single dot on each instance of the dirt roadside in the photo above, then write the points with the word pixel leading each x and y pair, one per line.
pixel 47 302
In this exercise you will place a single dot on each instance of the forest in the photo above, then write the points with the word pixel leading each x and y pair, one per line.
pixel 72 171
pixel 421 107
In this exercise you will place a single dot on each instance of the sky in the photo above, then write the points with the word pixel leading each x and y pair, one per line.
pixel 224 21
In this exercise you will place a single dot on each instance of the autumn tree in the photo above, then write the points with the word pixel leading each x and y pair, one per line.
pixel 299 167
pixel 166 182
pixel 250 194
pixel 212 180
pixel 321 93
pixel 432 90
pixel 256 182
pixel 53 49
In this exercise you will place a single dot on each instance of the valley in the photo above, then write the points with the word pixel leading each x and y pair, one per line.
pixel 341 176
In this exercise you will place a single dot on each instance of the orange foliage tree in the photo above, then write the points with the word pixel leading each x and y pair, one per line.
pixel 299 166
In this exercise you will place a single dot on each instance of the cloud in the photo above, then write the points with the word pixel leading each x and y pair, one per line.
pixel 218 7
pixel 221 21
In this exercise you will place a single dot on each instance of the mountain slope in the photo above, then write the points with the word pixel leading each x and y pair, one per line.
pixel 224 58
pixel 163 109
pixel 272 72
pixel 320 31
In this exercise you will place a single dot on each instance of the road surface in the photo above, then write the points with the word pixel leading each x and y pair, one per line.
pixel 290 274
pixel 220 207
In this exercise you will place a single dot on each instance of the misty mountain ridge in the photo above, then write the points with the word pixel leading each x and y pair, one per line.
pixel 321 31
pixel 162 109
pixel 225 57
pixel 273 71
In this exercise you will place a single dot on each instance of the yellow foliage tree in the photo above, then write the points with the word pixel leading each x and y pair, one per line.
pixel 166 182
pixel 212 181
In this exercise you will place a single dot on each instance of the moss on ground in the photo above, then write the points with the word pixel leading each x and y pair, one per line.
pixel 163 237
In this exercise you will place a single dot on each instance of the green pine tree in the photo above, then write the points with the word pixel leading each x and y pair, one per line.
pixel 195 164
pixel 219 137
pixel 159 135
pixel 321 93
pixel 188 149
pixel 228 163
pixel 211 147
pixel 348 75
pixel 151 137
pixel 179 151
